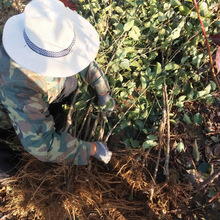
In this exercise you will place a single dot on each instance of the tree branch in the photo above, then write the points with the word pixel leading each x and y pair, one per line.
pixel 208 47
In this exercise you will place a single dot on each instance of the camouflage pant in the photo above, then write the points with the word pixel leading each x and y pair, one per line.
pixel 9 158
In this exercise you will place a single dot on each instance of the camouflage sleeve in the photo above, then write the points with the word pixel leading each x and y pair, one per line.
pixel 35 126
pixel 95 77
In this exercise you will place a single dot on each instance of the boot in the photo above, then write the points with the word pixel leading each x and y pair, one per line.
pixel 9 161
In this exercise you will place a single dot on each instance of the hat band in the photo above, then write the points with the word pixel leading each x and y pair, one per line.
pixel 48 53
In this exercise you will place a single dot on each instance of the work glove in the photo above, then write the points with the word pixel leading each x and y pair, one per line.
pixel 102 153
pixel 107 103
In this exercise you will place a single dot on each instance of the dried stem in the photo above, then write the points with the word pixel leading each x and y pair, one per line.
pixel 85 118
pixel 70 113
pixel 161 138
pixel 166 166
pixel 94 127
pixel 208 46
pixel 113 56
pixel 93 15
pixel 102 129
pixel 87 128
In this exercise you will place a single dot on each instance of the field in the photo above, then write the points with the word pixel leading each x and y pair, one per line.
pixel 162 62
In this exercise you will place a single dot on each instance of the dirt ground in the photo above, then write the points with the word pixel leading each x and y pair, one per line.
pixel 125 188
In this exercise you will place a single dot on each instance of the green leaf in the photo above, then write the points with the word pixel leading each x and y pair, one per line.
pixel 158 68
pixel 119 10
pixel 124 124
pixel 213 85
pixel 162 32
pixel 208 88
pixel 176 32
pixel 159 83
pixel 134 33
pixel 115 67
pixel 181 98
pixel 135 64
pixel 197 118
pixel 201 94
pixel 133 115
pixel 143 82
pixel 123 94
pixel 204 167
pixel 197 59
pixel 186 119
pixel 119 26
pixel 119 77
pixel 127 142
pixel 184 59
pixel 139 124
pixel 128 25
pixel 147 24
pixel 161 16
pixel 184 10
pixel 134 143
pixel 175 3
pixel 112 81
pixel 152 137
pixel 196 151
pixel 131 84
pixel 149 144
pixel 125 64
pixel 190 95
pixel 180 147
pixel 172 66
pixel 204 9
pixel 187 87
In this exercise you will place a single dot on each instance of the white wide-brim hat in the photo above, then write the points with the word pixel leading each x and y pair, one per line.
pixel 50 39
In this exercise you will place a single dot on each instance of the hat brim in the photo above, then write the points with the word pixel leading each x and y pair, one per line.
pixel 83 52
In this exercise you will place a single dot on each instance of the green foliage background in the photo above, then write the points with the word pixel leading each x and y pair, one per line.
pixel 141 43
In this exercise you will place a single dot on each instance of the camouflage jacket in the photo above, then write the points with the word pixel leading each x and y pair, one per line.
pixel 24 100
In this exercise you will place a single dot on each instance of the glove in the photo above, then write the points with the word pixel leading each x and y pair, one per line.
pixel 107 102
pixel 102 153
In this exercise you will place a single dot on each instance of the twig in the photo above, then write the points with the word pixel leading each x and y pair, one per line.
pixel 161 137
pixel 113 56
pixel 209 180
pixel 215 197
pixel 166 166
pixel 84 120
pixel 166 107
pixel 93 15
pixel 87 126
pixel 70 113
pixel 102 127
pixel 94 127
pixel 208 46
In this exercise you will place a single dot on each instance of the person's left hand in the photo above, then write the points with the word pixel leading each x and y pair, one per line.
pixel 107 103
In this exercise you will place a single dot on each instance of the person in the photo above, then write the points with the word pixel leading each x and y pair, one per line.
pixel 43 48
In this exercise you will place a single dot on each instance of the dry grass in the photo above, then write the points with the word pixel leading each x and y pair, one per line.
pixel 119 190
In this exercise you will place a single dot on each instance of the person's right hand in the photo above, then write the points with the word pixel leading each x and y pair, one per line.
pixel 102 152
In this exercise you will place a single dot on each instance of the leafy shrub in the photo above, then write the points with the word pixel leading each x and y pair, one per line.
pixel 141 43
pixel 6 3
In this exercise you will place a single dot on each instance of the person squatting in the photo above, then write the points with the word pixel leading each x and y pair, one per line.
pixel 43 49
